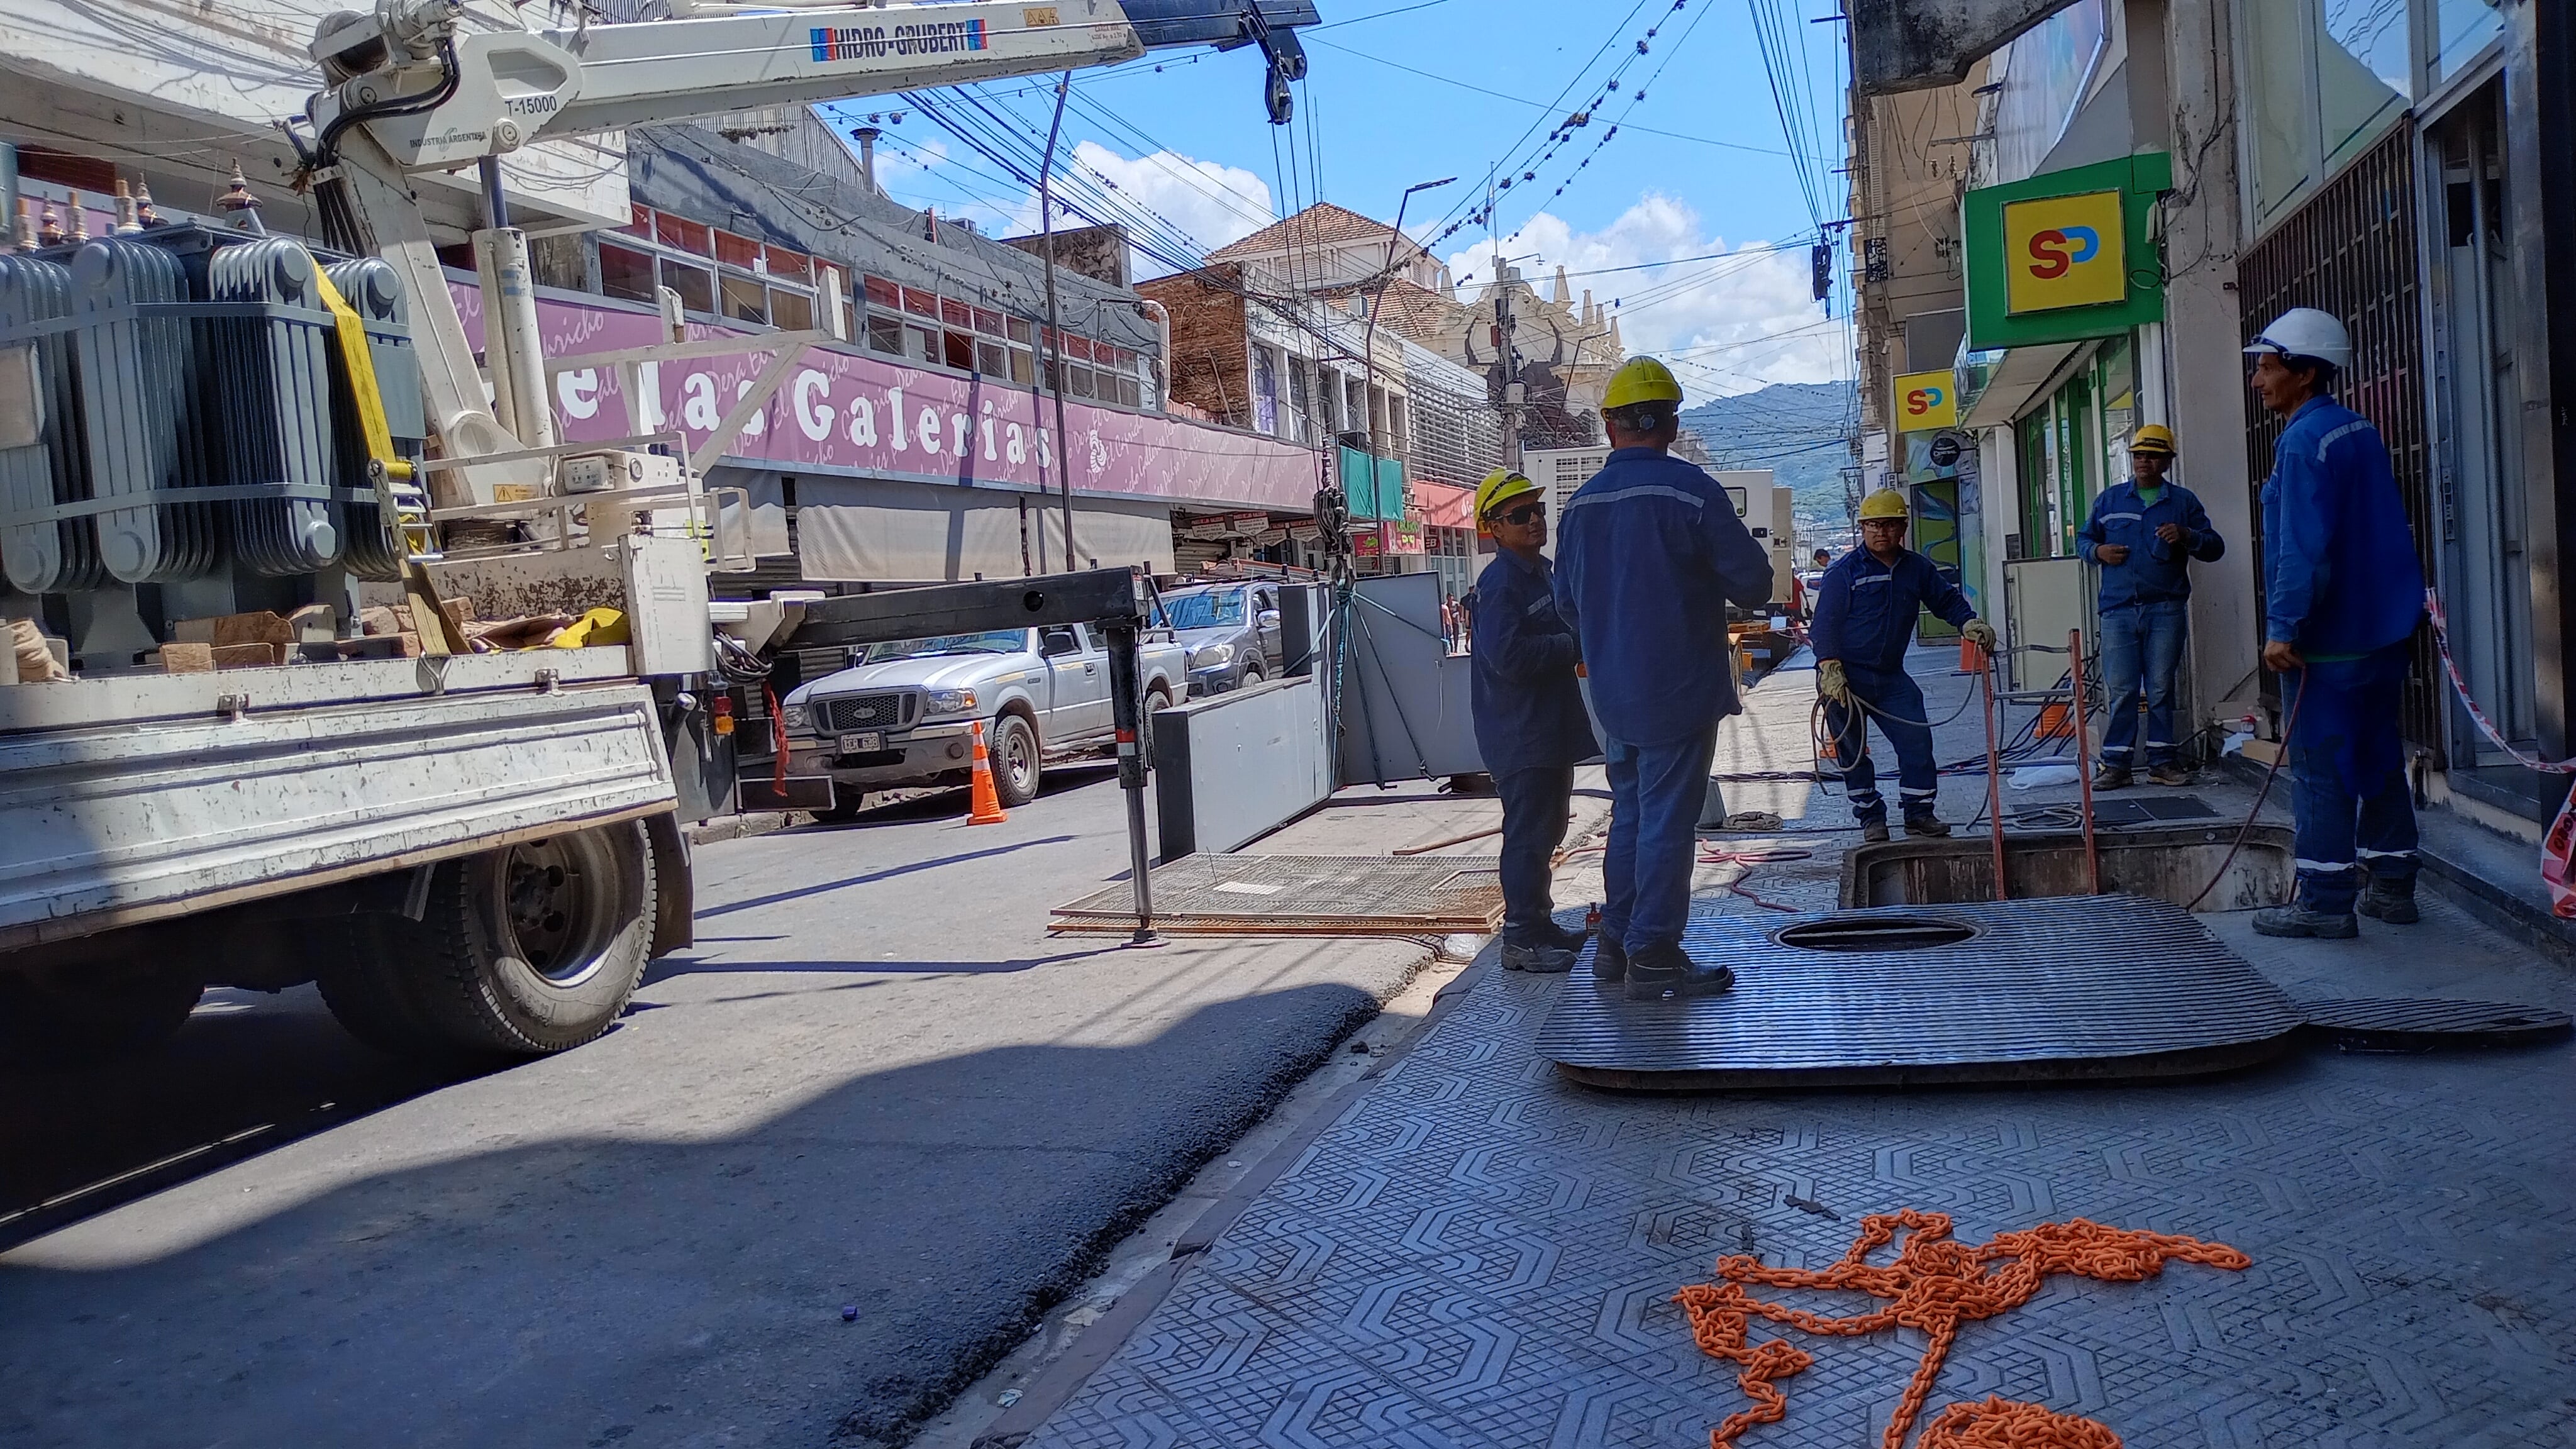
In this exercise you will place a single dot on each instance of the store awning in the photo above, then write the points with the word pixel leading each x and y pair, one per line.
pixel 2024 374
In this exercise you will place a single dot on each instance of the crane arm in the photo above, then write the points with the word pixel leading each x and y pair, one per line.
pixel 434 97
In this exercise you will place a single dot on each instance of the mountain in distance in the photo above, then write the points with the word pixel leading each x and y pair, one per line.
pixel 1796 429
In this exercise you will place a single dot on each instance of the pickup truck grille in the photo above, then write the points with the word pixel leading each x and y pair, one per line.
pixel 868 712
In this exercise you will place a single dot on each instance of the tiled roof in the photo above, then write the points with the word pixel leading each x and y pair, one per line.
pixel 1418 312
pixel 1323 222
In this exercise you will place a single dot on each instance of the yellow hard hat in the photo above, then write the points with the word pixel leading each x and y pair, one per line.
pixel 2153 438
pixel 1641 380
pixel 1500 487
pixel 1885 503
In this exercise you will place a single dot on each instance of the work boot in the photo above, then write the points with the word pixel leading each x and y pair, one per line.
pixel 2171 772
pixel 1926 825
pixel 2392 901
pixel 1566 937
pixel 1661 971
pixel 1609 962
pixel 1540 959
pixel 2295 919
pixel 2111 777
pixel 1874 832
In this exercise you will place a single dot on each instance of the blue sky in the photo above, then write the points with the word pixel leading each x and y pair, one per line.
pixel 1402 91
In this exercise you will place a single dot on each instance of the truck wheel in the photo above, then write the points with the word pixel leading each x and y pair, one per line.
pixel 1016 771
pixel 522 951
pixel 1155 698
pixel 72 1014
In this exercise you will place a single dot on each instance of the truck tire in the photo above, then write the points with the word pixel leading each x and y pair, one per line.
pixel 1156 697
pixel 1017 770
pixel 523 951
pixel 67 1015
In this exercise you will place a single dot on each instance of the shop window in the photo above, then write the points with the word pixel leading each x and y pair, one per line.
pixel 992 358
pixel 642 225
pixel 790 311
pixel 745 300
pixel 557 261
pixel 459 257
pixel 1078 380
pixel 955 313
pixel 1022 330
pixel 1079 348
pixel 1023 366
pixel 920 303
pixel 696 285
pixel 2323 79
pixel 685 235
pixel 737 251
pixel 789 265
pixel 988 321
pixel 2461 30
pixel 957 350
pixel 625 272
pixel 922 345
pixel 1130 391
pixel 882 293
pixel 885 334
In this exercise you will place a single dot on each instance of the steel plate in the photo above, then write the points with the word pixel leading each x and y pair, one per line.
pixel 2397 1023
pixel 2082 987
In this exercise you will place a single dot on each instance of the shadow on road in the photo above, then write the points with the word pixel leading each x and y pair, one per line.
pixel 683 965
pixel 890 872
pixel 635 1291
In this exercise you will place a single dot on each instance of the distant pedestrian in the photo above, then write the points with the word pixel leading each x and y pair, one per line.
pixel 1530 723
pixel 1449 612
pixel 2144 533
pixel 1649 555
pixel 2342 593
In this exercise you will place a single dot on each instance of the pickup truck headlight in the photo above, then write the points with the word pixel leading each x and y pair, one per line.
pixel 1211 655
pixel 950 701
pixel 798 720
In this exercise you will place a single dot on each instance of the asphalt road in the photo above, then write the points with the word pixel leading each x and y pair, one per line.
pixel 875 1086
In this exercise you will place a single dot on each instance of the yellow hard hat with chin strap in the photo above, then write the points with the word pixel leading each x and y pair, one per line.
pixel 2153 438
pixel 1500 487
pixel 1641 380
pixel 1885 503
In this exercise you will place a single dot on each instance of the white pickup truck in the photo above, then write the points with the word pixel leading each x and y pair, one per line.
pixel 902 714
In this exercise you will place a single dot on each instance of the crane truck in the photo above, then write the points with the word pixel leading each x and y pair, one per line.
pixel 468 849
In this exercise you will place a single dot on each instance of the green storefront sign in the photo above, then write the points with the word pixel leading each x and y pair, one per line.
pixel 2066 256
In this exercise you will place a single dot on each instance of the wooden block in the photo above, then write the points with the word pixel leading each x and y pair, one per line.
pixel 260 627
pixel 181 657
pixel 249 656
pixel 379 620
pixel 314 621
pixel 2261 752
pixel 459 608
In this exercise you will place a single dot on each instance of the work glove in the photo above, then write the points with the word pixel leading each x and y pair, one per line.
pixel 1831 684
pixel 1979 633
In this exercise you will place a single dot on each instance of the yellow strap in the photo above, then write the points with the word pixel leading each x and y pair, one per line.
pixel 359 357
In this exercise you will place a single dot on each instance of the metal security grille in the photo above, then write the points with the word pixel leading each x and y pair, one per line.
pixel 1302 895
pixel 2352 251
pixel 867 712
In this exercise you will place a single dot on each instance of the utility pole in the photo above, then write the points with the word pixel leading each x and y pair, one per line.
pixel 1377 298
pixel 1055 321
pixel 1515 392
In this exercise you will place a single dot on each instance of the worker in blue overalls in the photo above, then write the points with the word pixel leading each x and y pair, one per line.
pixel 1649 554
pixel 1865 611
pixel 2342 593
pixel 1530 722
pixel 2144 533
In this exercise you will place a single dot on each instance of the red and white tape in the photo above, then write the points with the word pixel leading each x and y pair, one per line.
pixel 2442 641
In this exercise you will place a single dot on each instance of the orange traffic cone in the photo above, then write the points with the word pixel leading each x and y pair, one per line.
pixel 987 803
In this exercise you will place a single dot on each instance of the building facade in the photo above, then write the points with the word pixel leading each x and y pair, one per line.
pixel 2405 166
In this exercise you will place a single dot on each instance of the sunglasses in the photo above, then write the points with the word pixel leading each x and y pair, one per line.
pixel 1525 514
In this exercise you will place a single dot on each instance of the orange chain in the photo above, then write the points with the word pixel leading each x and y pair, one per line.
pixel 1934 1285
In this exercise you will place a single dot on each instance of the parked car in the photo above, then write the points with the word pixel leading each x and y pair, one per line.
pixel 1231 631
pixel 902 713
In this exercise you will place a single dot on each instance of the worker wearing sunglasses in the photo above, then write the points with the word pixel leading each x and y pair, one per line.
pixel 1530 721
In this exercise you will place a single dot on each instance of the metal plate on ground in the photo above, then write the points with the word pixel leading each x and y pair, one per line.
pixel 2399 1023
pixel 2071 988
pixel 1302 895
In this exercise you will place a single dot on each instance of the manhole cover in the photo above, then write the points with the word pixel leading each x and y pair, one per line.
pixel 2397 1023
pixel 2069 988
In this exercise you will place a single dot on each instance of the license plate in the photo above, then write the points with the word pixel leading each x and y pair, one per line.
pixel 863 744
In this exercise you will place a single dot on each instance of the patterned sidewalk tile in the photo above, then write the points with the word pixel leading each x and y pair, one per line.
pixel 1481 1254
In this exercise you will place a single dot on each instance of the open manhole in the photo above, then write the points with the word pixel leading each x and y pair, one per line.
pixel 1875 933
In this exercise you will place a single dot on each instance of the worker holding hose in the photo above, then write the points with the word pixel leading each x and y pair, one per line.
pixel 1649 554
pixel 1865 611
pixel 1531 726
pixel 2342 594
pixel 2144 533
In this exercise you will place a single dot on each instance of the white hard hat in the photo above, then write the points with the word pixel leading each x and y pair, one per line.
pixel 2306 332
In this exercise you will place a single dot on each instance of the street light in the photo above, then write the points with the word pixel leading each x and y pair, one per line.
pixel 1368 343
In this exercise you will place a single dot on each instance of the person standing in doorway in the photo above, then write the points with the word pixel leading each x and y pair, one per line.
pixel 2343 592
pixel 1530 721
pixel 1649 554
pixel 2144 533
pixel 1865 612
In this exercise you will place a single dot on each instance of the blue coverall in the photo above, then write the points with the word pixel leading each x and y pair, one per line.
pixel 2342 586
pixel 1530 726
pixel 1865 612
pixel 1649 553
pixel 2145 609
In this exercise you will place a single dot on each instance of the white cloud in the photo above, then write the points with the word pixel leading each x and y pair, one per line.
pixel 1728 324
pixel 1206 201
